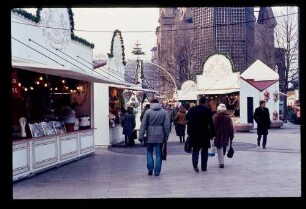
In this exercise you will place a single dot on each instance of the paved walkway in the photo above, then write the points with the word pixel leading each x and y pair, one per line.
pixel 120 172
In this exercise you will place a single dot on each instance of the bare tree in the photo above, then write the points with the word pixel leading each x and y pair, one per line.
pixel 180 60
pixel 286 37
pixel 185 59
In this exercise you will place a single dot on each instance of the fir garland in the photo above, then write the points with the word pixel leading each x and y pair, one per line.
pixel 111 54
pixel 25 14
pixel 36 19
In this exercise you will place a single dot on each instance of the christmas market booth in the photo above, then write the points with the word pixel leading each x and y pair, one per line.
pixel 219 83
pixel 259 82
pixel 109 111
pixel 53 118
pixel 188 93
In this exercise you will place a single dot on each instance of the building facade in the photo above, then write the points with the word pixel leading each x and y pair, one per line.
pixel 227 30
pixel 232 31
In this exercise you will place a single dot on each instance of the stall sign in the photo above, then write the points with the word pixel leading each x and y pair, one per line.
pixel 16 93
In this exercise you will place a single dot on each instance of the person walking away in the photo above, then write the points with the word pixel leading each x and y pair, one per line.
pixel 128 123
pixel 224 131
pixel 144 110
pixel 156 124
pixel 174 112
pixel 180 127
pixel 169 114
pixel 200 129
pixel 262 118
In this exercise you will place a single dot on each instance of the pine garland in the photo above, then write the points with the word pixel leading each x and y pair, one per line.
pixel 36 19
pixel 111 54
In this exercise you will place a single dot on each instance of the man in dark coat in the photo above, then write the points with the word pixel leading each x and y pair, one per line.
pixel 200 129
pixel 128 123
pixel 262 118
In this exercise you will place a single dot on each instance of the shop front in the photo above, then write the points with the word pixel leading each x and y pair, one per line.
pixel 218 83
pixel 120 97
pixel 52 92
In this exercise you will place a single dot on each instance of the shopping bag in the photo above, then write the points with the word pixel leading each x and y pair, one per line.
pixel 230 152
pixel 164 151
pixel 187 146
pixel 212 149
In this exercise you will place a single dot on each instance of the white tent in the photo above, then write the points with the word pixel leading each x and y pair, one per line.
pixel 228 84
pixel 258 82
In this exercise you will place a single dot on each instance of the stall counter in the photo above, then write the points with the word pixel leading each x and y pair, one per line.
pixel 34 155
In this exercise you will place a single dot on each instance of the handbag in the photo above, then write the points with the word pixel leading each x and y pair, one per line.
pixel 187 146
pixel 212 149
pixel 164 151
pixel 230 152
pixel 133 135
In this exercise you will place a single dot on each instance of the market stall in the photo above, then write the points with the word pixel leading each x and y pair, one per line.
pixel 259 82
pixel 53 89
pixel 219 83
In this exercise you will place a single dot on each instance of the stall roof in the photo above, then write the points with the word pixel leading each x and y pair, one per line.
pixel 133 87
pixel 187 96
pixel 227 85
pixel 61 71
pixel 258 71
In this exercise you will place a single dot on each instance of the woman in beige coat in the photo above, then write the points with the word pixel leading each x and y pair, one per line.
pixel 180 126
pixel 224 131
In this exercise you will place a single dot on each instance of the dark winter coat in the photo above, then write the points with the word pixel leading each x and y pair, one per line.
pixel 262 118
pixel 156 124
pixel 128 123
pixel 200 127
pixel 224 129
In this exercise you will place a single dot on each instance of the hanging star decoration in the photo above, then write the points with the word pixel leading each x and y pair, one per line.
pixel 275 115
pixel 275 96
pixel 267 95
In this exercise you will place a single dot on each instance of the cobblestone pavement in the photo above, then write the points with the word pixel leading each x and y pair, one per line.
pixel 121 172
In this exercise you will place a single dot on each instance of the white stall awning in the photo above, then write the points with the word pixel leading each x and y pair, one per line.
pixel 62 71
pixel 132 87
pixel 227 85
pixel 187 96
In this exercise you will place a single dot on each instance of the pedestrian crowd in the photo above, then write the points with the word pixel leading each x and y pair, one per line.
pixel 206 130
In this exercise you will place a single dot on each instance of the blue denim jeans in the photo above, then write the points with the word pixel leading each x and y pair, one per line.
pixel 150 160
pixel 204 157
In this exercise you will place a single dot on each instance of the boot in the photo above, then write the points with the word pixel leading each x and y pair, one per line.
pixel 180 139
pixel 195 168
pixel 183 138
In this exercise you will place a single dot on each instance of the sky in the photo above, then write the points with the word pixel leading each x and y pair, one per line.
pixel 123 19
pixel 110 19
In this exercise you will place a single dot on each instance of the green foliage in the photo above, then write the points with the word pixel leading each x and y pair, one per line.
pixel 82 41
pixel 27 15
pixel 110 55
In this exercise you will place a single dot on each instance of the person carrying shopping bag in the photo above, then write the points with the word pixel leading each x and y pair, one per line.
pixel 224 131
